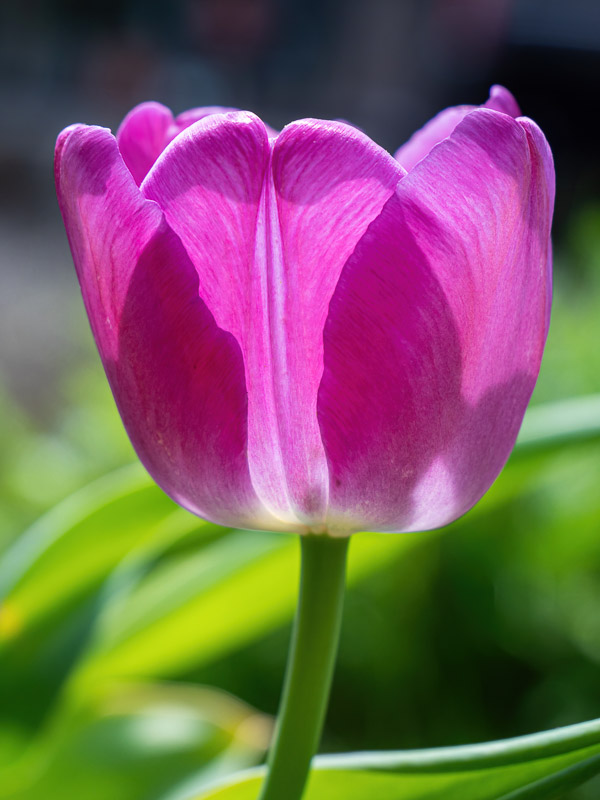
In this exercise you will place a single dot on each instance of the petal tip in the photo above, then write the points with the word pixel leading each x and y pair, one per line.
pixel 502 100
pixel 144 107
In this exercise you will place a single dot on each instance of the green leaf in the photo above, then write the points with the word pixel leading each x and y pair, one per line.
pixel 537 767
pixel 137 740
pixel 53 581
pixel 559 423
pixel 234 591
pixel 71 550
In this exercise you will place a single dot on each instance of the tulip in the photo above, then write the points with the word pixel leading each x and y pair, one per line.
pixel 304 333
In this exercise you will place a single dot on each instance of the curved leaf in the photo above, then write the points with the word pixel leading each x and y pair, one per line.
pixel 561 422
pixel 137 740
pixel 69 551
pixel 537 767
pixel 236 590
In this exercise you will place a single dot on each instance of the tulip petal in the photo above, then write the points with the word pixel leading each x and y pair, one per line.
pixel 435 332
pixel 177 378
pixel 268 246
pixel 433 132
pixel 148 129
pixel 501 99
pixel 209 182
pixel 442 125
pixel 187 118
pixel 329 182
pixel 142 137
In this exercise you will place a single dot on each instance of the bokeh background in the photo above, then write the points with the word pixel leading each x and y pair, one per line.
pixel 131 635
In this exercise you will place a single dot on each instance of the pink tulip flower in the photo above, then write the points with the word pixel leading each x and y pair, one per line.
pixel 302 332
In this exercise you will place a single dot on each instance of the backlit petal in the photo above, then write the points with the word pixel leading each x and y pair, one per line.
pixel 329 181
pixel 501 99
pixel 148 129
pixel 436 329
pixel 177 378
pixel 268 242
pixel 442 125
pixel 142 137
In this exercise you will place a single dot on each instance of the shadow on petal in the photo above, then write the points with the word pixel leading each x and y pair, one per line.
pixel 405 449
pixel 389 400
pixel 481 443
pixel 179 384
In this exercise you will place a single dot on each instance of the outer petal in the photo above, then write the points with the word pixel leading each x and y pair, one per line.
pixel 329 181
pixel 187 118
pixel 178 379
pixel 267 273
pixel 148 129
pixel 442 125
pixel 436 330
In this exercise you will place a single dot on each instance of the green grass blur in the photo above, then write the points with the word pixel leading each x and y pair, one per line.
pixel 142 651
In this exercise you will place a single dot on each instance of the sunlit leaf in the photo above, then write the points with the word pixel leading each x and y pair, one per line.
pixel 561 422
pixel 234 591
pixel 74 547
pixel 538 767
pixel 138 740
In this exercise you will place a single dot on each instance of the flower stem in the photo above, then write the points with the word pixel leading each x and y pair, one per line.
pixel 310 666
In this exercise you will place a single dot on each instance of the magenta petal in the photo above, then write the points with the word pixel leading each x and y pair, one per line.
pixel 142 137
pixel 442 125
pixel 329 182
pixel 183 380
pixel 149 128
pixel 501 99
pixel 187 118
pixel 210 183
pixel 433 132
pixel 178 379
pixel 268 248
pixel 436 329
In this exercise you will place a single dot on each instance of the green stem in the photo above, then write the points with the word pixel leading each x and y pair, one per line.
pixel 310 666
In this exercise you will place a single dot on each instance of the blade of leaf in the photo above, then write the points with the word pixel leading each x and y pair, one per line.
pixel 537 767
pixel 72 549
pixel 554 786
pixel 561 422
pixel 138 739
pixel 251 598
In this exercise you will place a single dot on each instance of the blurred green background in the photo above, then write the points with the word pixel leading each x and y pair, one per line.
pixel 141 650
